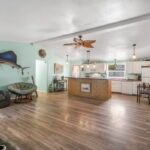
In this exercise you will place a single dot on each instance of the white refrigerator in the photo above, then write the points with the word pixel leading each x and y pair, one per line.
pixel 146 74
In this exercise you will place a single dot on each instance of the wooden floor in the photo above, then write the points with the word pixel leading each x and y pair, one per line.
pixel 59 122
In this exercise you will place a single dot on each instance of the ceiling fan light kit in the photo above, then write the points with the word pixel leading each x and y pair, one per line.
pixel 67 61
pixel 79 42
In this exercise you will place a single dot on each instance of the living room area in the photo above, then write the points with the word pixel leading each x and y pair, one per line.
pixel 74 75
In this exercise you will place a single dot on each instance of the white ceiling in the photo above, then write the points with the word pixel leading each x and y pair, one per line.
pixel 36 20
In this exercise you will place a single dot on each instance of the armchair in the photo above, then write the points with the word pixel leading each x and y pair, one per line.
pixel 4 99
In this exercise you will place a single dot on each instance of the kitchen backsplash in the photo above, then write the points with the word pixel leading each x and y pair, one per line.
pixel 134 76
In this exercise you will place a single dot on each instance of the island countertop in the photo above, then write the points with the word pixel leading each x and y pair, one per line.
pixel 90 87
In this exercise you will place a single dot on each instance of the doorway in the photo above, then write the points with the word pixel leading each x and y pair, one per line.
pixel 41 75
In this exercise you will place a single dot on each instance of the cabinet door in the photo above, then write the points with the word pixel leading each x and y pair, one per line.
pixel 134 88
pixel 145 72
pixel 93 68
pixel 145 63
pixel 124 87
pixel 129 67
pixel 86 68
pixel 129 86
pixel 100 68
pixel 137 67
pixel 146 80
pixel 116 86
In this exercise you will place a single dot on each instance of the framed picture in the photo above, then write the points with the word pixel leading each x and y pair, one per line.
pixel 58 68
pixel 86 87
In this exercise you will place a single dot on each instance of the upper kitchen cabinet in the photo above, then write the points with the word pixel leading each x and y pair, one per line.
pixel 137 67
pixel 134 67
pixel 94 68
pixel 145 63
pixel 101 68
pixel 129 67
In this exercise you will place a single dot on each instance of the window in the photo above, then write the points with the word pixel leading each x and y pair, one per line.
pixel 117 71
pixel 76 71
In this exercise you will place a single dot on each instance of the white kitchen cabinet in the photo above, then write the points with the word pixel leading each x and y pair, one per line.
pixel 137 67
pixel 145 63
pixel 146 80
pixel 145 72
pixel 94 68
pixel 129 67
pixel 116 86
pixel 86 68
pixel 123 87
pixel 126 87
pixel 134 87
pixel 129 88
pixel 101 68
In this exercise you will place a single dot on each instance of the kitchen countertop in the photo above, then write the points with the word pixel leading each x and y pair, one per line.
pixel 126 80
pixel 89 78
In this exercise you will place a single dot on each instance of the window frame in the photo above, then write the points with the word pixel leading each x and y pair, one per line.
pixel 107 71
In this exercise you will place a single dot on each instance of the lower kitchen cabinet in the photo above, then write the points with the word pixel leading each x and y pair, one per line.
pixel 116 86
pixel 125 87
pixel 135 84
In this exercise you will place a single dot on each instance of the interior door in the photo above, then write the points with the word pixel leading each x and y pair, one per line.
pixel 41 75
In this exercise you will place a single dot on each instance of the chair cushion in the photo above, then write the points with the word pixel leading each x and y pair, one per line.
pixel 22 88
pixel 2 97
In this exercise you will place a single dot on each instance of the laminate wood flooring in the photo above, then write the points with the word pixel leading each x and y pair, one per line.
pixel 57 121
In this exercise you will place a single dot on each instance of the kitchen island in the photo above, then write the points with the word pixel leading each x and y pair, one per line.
pixel 90 88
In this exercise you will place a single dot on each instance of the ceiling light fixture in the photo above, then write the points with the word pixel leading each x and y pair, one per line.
pixel 82 66
pixel 115 63
pixel 94 65
pixel 88 58
pixel 67 62
pixel 134 55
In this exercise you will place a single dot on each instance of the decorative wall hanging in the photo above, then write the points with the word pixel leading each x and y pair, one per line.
pixel 86 87
pixel 42 53
pixel 10 58
pixel 58 68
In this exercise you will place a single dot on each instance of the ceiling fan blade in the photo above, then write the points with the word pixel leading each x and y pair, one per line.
pixel 68 44
pixel 88 46
pixel 78 40
pixel 90 41
pixel 78 46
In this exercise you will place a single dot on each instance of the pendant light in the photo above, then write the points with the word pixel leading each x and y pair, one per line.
pixel 67 59
pixel 134 55
pixel 88 58
pixel 94 65
pixel 115 63
pixel 82 66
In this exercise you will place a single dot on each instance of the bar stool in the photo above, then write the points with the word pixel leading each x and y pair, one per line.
pixel 143 89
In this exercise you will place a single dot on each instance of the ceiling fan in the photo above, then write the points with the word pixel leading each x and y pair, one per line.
pixel 78 42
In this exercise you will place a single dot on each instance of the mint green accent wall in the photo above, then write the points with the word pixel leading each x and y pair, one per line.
pixel 27 55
